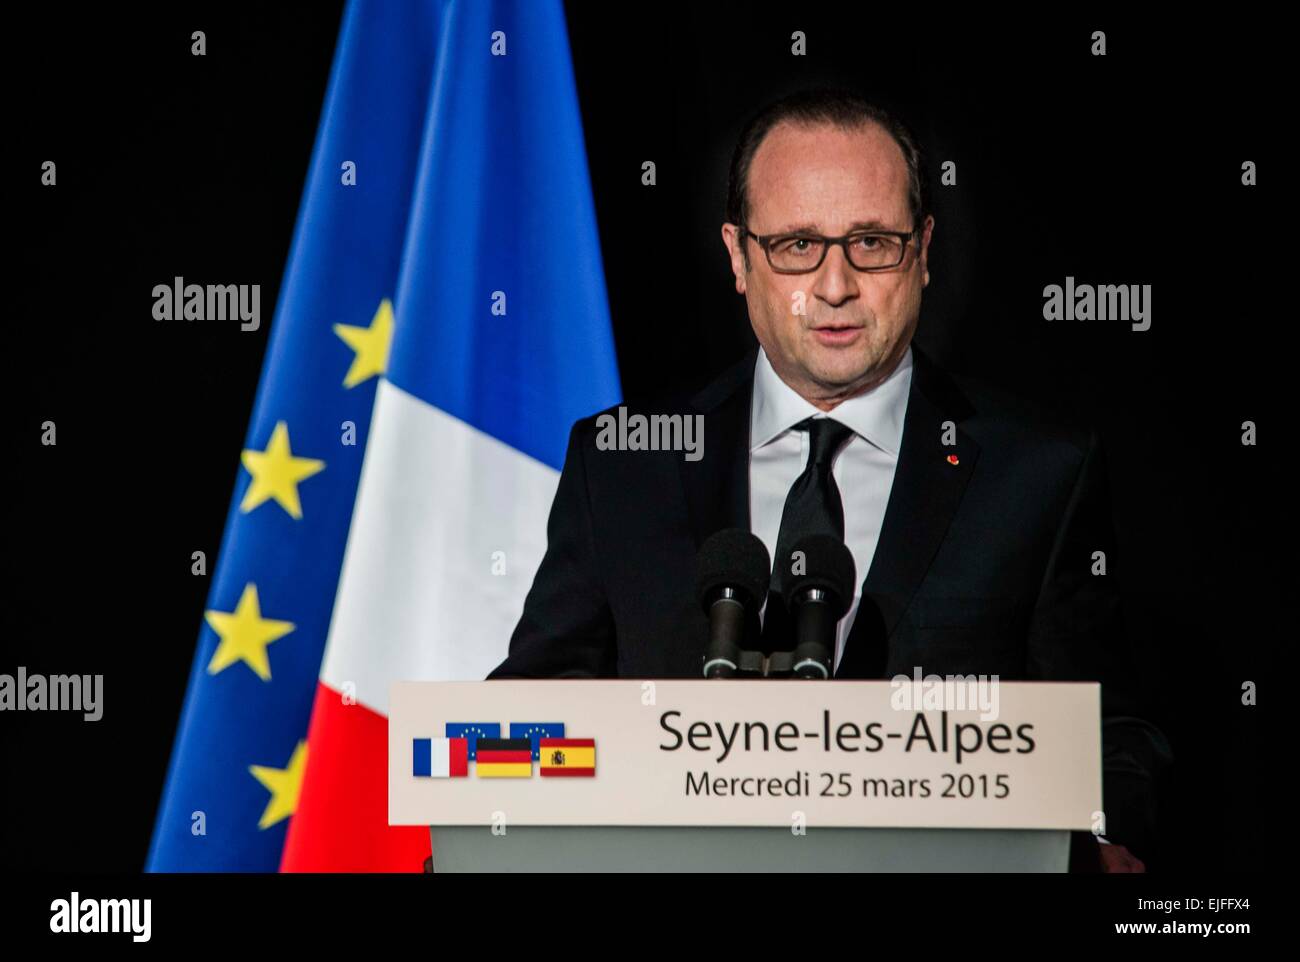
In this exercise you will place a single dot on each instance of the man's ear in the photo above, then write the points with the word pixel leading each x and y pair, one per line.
pixel 927 232
pixel 731 239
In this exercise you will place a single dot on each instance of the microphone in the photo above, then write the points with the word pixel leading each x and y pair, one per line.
pixel 817 598
pixel 733 580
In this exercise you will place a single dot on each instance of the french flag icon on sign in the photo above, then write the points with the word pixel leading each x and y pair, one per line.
pixel 440 757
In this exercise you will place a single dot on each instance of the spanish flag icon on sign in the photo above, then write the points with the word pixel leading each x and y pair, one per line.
pixel 568 756
pixel 504 758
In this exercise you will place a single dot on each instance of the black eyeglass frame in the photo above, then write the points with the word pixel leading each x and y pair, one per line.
pixel 765 242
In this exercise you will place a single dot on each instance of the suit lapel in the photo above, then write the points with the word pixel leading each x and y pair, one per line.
pixel 922 501
pixel 717 486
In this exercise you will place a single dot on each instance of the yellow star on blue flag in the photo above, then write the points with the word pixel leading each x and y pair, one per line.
pixel 277 473
pixel 284 784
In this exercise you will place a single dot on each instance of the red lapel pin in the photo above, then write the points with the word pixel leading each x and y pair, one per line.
pixel 952 459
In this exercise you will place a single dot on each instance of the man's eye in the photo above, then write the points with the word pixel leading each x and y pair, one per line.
pixel 867 242
pixel 795 245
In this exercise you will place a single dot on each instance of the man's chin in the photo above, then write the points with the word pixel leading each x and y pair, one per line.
pixel 840 369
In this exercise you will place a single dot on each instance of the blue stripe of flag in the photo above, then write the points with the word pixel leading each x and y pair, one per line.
pixel 422 762
pixel 504 248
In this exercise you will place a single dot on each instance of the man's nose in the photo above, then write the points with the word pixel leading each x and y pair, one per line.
pixel 837 280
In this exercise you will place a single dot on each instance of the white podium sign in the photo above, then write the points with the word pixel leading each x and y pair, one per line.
pixel 744 753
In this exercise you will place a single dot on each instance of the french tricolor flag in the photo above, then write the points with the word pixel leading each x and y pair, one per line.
pixel 501 340
pixel 439 757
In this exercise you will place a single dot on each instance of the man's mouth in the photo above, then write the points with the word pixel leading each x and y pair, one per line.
pixel 837 335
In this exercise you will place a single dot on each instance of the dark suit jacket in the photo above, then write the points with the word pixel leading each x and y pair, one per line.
pixel 984 566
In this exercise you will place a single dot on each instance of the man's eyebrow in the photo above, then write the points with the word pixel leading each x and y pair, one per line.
pixel 856 225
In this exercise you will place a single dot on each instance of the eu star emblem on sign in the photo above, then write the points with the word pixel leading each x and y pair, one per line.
pixel 473 731
pixel 535 732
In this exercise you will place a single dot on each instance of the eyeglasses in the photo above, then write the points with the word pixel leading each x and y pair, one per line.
pixel 866 250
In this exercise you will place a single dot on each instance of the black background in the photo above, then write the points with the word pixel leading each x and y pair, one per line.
pixel 1123 169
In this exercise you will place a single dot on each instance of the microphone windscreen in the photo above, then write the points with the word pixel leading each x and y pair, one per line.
pixel 826 564
pixel 733 558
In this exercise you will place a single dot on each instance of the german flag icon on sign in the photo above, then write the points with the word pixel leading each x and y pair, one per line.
pixel 504 758
pixel 568 756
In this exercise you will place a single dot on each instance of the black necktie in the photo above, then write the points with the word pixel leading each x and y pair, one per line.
pixel 813 506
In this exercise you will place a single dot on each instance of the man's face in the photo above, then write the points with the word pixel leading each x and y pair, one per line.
pixel 855 325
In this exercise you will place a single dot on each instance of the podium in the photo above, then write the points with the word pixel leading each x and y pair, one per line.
pixel 565 848
pixel 744 776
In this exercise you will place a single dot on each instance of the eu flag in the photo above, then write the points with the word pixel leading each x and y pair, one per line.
pixel 535 732
pixel 448 175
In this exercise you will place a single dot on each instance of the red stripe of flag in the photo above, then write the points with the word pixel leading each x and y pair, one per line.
pixel 341 824
pixel 458 757
pixel 567 742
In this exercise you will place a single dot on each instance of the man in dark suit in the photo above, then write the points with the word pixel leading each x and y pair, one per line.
pixel 981 522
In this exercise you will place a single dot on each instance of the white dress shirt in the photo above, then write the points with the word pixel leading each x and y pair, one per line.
pixel 863 468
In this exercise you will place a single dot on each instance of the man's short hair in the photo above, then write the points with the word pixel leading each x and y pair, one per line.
pixel 839 107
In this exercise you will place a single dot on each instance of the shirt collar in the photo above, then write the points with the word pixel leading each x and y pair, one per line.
pixel 876 415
